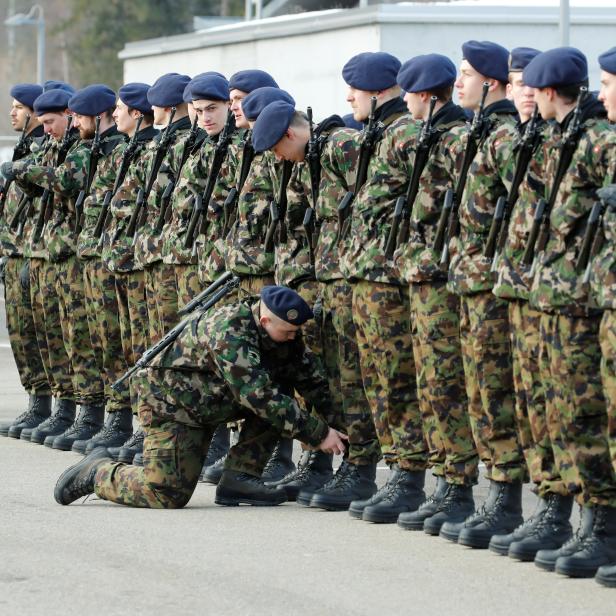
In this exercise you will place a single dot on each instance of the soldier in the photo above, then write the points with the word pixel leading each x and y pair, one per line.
pixel 569 353
pixel 550 521
pixel 171 112
pixel 484 323
pixel 91 105
pixel 18 306
pixel 230 363
pixel 435 312
pixel 134 118
pixel 381 310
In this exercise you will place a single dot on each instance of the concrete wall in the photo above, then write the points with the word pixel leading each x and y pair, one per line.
pixel 305 53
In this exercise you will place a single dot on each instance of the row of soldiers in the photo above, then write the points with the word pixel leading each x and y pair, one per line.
pixel 445 259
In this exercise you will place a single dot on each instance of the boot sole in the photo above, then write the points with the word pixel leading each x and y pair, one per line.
pixel 62 446
pixel 575 572
pixel 500 550
pixel 57 493
pixel 303 500
pixel 545 565
pixel 610 582
pixel 411 525
pixel 380 518
pixel 449 536
pixel 523 556
pixel 474 542
pixel 233 500
pixel 329 506
pixel 356 514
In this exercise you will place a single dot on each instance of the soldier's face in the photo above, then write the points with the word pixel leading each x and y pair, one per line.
pixel 415 105
pixel 125 119
pixel 360 101
pixel 292 146
pixel 236 107
pixel 161 115
pixel 54 124
pixel 85 124
pixel 469 86
pixel 277 329
pixel 545 102
pixel 523 96
pixel 19 113
pixel 212 115
pixel 607 95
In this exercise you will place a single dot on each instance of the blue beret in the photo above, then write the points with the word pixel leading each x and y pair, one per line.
pixel 168 90
pixel 286 304
pixel 520 57
pixel 258 99
pixel 52 100
pixel 187 95
pixel 135 96
pixel 371 71
pixel 487 58
pixel 607 60
pixel 271 125
pixel 51 84
pixel 425 73
pixel 250 80
pixel 561 66
pixel 351 122
pixel 26 93
pixel 211 87
pixel 92 100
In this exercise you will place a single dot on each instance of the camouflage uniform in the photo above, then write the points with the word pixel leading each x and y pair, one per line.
pixel 570 354
pixel 484 323
pixel 159 277
pixel 99 282
pixel 381 311
pixel 435 313
pixel 18 305
pixel 223 367
pixel 513 284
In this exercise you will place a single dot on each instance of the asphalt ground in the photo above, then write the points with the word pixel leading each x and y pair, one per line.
pixel 95 557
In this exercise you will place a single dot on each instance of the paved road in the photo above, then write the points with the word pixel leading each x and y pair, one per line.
pixel 99 558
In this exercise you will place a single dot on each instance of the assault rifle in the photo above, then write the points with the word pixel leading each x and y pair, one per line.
pixel 313 158
pixel 19 152
pixel 248 154
pixel 95 154
pixel 278 210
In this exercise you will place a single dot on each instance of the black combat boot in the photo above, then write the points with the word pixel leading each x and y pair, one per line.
pixel 354 483
pixel 598 549
pixel 88 423
pixel 450 530
pixel 414 520
pixel 78 480
pixel 117 429
pixel 606 575
pixel 130 449
pixel 5 426
pixel 236 487
pixel 304 496
pixel 546 559
pixel 280 463
pixel 313 472
pixel 550 532
pixel 356 508
pixel 500 543
pixel 457 505
pixel 219 447
pixel 503 517
pixel 62 418
pixel 39 409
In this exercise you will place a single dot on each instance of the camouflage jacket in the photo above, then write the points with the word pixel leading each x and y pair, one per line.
pixel 416 260
pixel 149 242
pixel 181 206
pixel 513 276
pixel 362 251
pixel 489 177
pixel 65 181
pixel 118 251
pixel 246 255
pixel 557 285
pixel 224 366
pixel 106 169
pixel 10 244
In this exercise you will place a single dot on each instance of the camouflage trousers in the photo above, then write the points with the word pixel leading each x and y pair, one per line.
pixel 104 326
pixel 22 332
pixel 133 320
pixel 187 283
pixel 161 294
pixel 607 336
pixel 435 314
pixel 343 368
pixel 47 324
pixel 570 363
pixel 381 313
pixel 174 452
pixel 533 434
pixel 87 380
pixel 486 353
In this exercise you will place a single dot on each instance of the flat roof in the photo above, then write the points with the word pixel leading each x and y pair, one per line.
pixel 470 11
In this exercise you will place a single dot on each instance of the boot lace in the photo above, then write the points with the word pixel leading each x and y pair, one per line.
pixel 135 440
pixel 338 480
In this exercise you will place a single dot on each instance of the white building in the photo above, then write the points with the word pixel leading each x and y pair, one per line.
pixel 306 52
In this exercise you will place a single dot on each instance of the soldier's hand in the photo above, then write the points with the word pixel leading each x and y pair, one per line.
pixel 334 442
pixel 607 194
pixel 6 170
